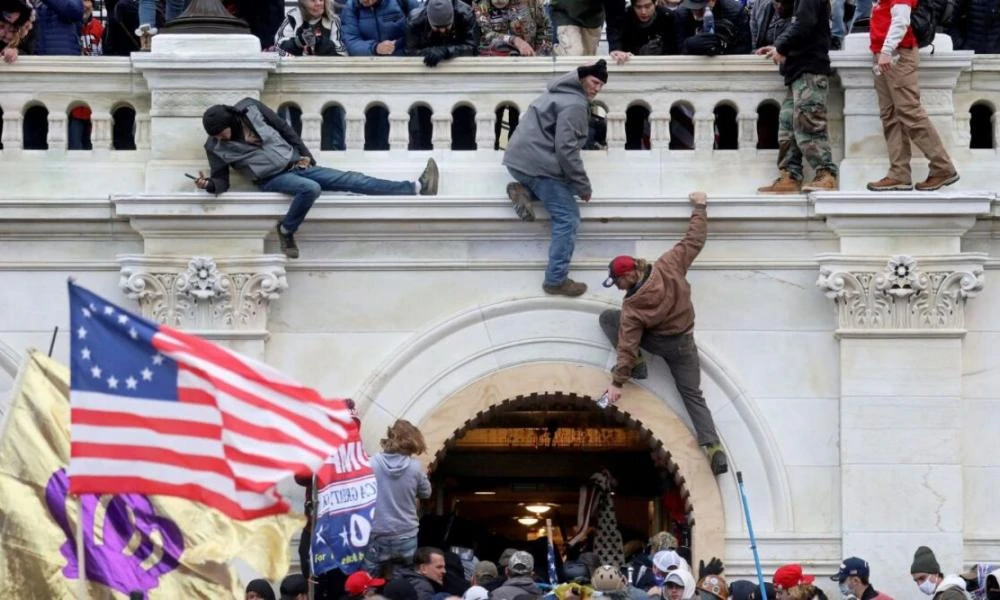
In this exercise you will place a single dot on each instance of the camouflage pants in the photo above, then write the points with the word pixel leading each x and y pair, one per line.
pixel 802 127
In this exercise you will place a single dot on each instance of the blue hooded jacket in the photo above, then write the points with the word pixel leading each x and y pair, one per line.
pixel 363 28
pixel 57 27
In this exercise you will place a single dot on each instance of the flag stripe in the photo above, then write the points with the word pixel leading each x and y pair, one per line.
pixel 154 409
pixel 82 416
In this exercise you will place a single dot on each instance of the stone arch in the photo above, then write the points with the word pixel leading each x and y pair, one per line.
pixel 488 342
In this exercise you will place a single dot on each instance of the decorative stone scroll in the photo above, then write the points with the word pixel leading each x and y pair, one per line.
pixel 203 295
pixel 900 296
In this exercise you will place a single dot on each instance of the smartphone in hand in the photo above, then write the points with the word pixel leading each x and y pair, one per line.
pixel 190 176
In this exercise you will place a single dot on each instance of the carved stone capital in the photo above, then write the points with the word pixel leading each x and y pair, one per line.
pixel 228 298
pixel 902 295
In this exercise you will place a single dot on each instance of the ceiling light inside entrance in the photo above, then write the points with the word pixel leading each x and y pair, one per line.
pixel 538 509
pixel 485 493
pixel 527 521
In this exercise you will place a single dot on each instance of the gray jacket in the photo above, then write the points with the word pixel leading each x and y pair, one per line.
pixel 280 148
pixel 765 24
pixel 401 481
pixel 516 586
pixel 550 134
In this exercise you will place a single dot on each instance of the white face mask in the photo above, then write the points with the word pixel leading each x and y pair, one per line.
pixel 845 590
pixel 928 586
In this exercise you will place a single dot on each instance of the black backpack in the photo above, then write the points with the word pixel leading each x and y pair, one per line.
pixel 928 16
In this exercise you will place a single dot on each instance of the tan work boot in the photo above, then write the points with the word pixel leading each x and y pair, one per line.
pixel 936 182
pixel 567 288
pixel 825 181
pixel 784 184
pixel 145 34
pixel 888 184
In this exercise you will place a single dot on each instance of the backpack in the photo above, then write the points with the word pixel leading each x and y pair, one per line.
pixel 928 16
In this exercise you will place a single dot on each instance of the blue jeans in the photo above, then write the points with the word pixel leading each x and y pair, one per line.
pixel 79 134
pixel 840 29
pixel 382 550
pixel 560 200
pixel 147 10
pixel 305 185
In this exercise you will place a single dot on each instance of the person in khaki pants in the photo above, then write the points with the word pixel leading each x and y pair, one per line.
pixel 904 120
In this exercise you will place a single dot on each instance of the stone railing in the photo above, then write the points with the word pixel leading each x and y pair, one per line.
pixel 731 104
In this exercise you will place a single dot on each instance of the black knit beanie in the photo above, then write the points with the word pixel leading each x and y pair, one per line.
pixel 217 118
pixel 924 562
pixel 599 70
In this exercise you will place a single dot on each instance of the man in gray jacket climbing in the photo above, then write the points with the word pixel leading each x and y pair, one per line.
pixel 544 159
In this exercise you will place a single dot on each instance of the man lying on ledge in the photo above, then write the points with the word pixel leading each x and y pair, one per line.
pixel 252 139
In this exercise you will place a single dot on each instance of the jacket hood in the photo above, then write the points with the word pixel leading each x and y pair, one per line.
pixel 394 464
pixel 567 84
pixel 951 581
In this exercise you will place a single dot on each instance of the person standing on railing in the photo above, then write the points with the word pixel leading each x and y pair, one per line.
pixel 579 22
pixel 252 139
pixel 513 28
pixel 311 29
pixel 442 29
pixel 544 159
pixel 802 53
pixel 375 27
pixel 148 10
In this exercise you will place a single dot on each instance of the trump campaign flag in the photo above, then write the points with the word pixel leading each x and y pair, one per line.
pixel 158 411
pixel 345 505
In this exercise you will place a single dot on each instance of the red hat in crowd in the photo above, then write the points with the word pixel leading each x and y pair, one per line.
pixel 360 582
pixel 789 576
pixel 619 265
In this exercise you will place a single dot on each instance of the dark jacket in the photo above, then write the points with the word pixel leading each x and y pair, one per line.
pixel 662 305
pixel 767 24
pixel 263 16
pixel 590 13
pixel 364 28
pixel 732 29
pixel 551 133
pixel 424 587
pixel 806 42
pixel 516 586
pixel 57 27
pixel 976 26
pixel 256 162
pixel 653 39
pixel 461 40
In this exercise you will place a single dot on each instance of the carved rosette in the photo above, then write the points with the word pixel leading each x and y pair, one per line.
pixel 900 296
pixel 202 295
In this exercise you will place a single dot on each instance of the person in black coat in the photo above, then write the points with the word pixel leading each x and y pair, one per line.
pixel 976 26
pixel 648 29
pixel 442 29
pixel 732 28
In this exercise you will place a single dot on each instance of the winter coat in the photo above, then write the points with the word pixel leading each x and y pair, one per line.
pixel 364 28
pixel 657 38
pixel 461 40
pixel 952 587
pixel 732 25
pixel 401 481
pixel 279 149
pixel 325 31
pixel 526 19
pixel 806 42
pixel 662 304
pixel 424 587
pixel 976 26
pixel 263 16
pixel 516 586
pixel 591 14
pixel 766 25
pixel 551 133
pixel 57 27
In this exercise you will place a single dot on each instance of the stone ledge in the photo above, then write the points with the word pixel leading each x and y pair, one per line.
pixel 860 203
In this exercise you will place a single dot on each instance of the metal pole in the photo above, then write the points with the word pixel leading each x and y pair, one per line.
pixel 753 539
pixel 81 553
pixel 52 342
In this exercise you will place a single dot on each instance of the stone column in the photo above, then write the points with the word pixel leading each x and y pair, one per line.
pixel 899 285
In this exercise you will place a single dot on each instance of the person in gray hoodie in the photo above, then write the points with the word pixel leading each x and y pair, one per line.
pixel 401 483
pixel 543 157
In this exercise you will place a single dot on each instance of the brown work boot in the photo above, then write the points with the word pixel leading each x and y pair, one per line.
pixel 825 181
pixel 936 182
pixel 520 198
pixel 567 288
pixel 888 184
pixel 784 184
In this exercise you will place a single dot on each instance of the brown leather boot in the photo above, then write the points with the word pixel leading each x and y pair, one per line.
pixel 784 184
pixel 936 182
pixel 825 181
pixel 567 288
pixel 888 184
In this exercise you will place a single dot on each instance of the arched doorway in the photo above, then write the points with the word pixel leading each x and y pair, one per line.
pixel 509 468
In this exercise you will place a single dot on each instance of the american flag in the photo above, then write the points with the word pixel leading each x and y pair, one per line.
pixel 551 555
pixel 158 411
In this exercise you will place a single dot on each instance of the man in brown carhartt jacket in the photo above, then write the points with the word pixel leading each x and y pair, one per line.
pixel 657 314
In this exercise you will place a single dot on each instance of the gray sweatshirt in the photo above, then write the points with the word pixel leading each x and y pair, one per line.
pixel 551 133
pixel 401 481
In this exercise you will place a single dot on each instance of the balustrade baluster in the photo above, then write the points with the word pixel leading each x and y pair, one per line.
pixel 441 137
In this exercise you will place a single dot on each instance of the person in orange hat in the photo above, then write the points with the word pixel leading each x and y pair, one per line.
pixel 787 577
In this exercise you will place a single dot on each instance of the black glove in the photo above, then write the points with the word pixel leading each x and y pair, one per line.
pixel 714 567
pixel 433 57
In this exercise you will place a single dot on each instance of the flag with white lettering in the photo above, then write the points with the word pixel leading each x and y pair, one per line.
pixel 345 506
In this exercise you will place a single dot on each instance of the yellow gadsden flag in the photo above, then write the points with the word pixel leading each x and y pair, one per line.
pixel 170 549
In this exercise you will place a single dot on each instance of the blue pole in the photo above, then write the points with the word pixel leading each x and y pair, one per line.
pixel 753 540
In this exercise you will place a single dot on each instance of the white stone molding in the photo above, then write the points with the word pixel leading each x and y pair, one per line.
pixel 200 295
pixel 901 296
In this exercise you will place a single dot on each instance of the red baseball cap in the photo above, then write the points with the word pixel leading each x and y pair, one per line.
pixel 360 582
pixel 619 265
pixel 789 576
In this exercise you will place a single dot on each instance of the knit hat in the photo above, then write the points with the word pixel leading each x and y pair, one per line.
pixel 440 13
pixel 789 576
pixel 217 118
pixel 599 70
pixel 714 585
pixel 924 561
pixel 293 585
pixel 521 563
pixel 360 582
pixel 262 588
pixel 620 265
pixel 607 579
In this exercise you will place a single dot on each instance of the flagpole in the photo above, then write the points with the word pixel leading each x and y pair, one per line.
pixel 81 554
